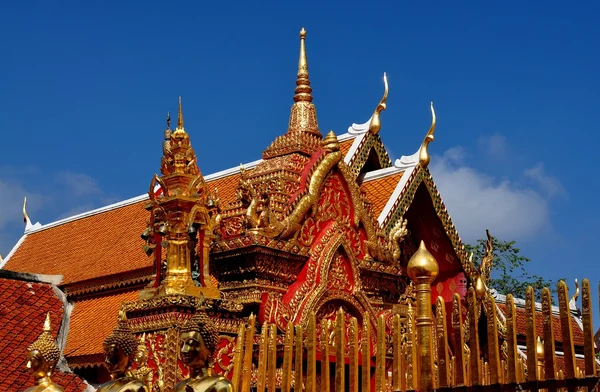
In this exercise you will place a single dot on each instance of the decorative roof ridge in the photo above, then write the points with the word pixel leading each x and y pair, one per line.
pixel 381 173
pixel 358 141
pixel 409 170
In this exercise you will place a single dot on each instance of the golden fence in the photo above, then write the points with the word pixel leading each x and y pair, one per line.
pixel 417 353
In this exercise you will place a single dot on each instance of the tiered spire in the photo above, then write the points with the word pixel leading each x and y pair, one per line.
pixel 303 116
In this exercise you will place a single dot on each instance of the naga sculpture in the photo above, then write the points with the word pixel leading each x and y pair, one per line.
pixel 119 349
pixel 41 359
pixel 388 250
pixel 199 339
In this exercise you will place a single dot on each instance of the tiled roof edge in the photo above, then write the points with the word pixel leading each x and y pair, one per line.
pixel 12 251
pixel 29 277
pixel 501 298
pixel 396 194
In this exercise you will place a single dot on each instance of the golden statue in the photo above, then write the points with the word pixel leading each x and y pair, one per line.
pixel 119 348
pixel 41 359
pixel 199 339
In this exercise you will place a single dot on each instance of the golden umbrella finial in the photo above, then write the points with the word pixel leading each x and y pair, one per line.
pixel 180 117
pixel 375 124
pixel 424 157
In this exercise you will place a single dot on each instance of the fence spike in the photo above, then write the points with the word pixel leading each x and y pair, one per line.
pixel 261 382
pixel 475 362
pixel 288 349
pixel 549 351
pixel 272 358
pixel 588 329
pixel 238 356
pixel 511 339
pixel 325 373
pixel 298 356
pixel 459 343
pixel 353 347
pixel 340 348
pixel 442 344
pixel 366 356
pixel 311 355
pixel 380 356
pixel 248 351
pixel 566 329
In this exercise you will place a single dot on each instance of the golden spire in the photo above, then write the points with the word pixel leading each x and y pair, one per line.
pixel 424 157
pixel 179 118
pixel 303 88
pixel 303 116
pixel 375 124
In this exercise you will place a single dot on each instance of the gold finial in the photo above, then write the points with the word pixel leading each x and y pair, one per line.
pixel 25 216
pixel 169 119
pixel 180 117
pixel 424 157
pixel 480 288
pixel 330 143
pixel 47 326
pixel 375 124
pixel 422 266
pixel 539 349
pixel 576 295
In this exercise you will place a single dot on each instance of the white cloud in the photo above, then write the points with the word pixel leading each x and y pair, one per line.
pixel 78 184
pixel 549 185
pixel 494 146
pixel 477 201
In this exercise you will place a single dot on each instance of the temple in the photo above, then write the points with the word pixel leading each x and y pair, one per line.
pixel 322 226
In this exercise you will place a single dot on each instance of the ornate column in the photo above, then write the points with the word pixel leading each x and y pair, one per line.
pixel 423 269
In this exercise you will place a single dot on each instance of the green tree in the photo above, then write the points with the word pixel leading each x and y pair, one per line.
pixel 509 272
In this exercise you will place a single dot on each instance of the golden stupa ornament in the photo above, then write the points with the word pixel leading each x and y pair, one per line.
pixel 375 124
pixel 424 157
pixel 42 356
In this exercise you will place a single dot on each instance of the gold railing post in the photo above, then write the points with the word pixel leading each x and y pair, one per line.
pixel 423 269
pixel 588 329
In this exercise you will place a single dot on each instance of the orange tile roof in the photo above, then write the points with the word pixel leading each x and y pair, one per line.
pixel 539 326
pixel 92 320
pixel 98 245
pixel 24 308
pixel 379 190
pixel 345 146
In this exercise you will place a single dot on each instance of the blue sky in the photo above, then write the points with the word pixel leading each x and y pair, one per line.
pixel 86 87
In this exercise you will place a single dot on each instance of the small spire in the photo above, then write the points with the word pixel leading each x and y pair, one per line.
pixel 47 327
pixel 424 157
pixel 180 117
pixel 303 116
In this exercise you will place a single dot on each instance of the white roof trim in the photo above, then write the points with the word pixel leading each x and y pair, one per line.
pixel 345 136
pixel 381 173
pixel 12 251
pixel 359 129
